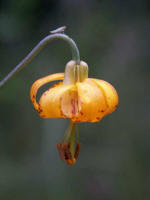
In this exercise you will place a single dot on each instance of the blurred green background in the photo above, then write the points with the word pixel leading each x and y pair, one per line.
pixel 114 162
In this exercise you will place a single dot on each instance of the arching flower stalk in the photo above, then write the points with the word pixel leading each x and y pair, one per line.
pixel 75 97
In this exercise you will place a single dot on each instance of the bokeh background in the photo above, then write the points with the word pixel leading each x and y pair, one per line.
pixel 114 162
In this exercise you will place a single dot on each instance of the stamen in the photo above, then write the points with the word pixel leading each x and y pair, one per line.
pixel 70 147
pixel 65 153
pixel 66 149
pixel 61 152
pixel 77 151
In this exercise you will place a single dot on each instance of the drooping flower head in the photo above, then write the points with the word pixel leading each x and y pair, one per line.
pixel 76 97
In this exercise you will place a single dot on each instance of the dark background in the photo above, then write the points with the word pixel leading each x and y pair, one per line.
pixel 114 39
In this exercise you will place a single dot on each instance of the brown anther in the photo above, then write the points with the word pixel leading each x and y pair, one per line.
pixel 60 150
pixel 65 153
pixel 77 151
pixel 66 149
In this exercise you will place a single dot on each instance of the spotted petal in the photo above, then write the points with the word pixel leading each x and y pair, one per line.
pixel 40 82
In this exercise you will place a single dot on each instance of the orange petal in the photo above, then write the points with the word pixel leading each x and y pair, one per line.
pixel 51 101
pixel 69 102
pixel 40 82
pixel 110 95
pixel 91 101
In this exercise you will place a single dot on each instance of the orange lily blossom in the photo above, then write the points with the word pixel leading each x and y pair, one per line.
pixel 86 100
pixel 78 98
pixel 75 96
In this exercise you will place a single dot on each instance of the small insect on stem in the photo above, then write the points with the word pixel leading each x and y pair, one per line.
pixel 59 30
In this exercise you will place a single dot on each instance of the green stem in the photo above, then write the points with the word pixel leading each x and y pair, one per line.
pixel 68 131
pixel 55 36
pixel 70 136
pixel 77 131
pixel 72 141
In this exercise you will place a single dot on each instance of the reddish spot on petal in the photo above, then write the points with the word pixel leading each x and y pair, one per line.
pixel 98 118
pixel 81 113
pixel 73 103
pixel 42 115
pixel 39 109
pixel 101 111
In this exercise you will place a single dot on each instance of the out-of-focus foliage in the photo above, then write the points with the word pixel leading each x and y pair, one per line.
pixel 113 38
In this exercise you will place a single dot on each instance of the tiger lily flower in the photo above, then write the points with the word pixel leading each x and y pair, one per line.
pixel 76 97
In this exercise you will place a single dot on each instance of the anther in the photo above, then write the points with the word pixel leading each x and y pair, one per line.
pixel 65 153
pixel 77 151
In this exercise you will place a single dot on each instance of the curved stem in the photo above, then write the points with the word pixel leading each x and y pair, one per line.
pixel 38 48
pixel 72 141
